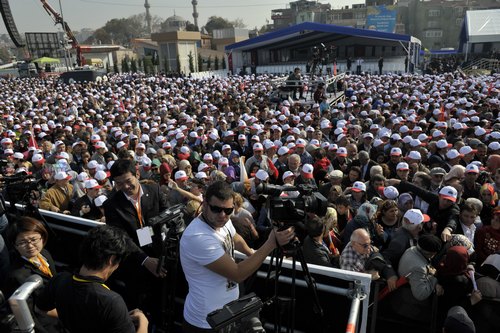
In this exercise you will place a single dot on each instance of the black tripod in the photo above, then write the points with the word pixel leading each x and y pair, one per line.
pixel 168 228
pixel 294 250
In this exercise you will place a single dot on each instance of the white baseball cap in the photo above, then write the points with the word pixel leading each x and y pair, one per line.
pixel 403 166
pixel 100 175
pixel 307 171
pixel 262 175
pixel 92 184
pixel 181 175
pixel 100 200
pixel 391 193
pixel 449 192
pixel 415 216
pixel 288 174
pixel 61 175
pixel 443 144
pixel 359 187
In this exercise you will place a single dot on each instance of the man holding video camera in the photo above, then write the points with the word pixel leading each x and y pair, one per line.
pixel 207 257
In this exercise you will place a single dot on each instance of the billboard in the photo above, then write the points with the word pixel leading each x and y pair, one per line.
pixel 44 44
pixel 381 18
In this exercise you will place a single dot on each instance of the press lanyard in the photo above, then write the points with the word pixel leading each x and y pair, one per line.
pixel 77 279
pixel 138 208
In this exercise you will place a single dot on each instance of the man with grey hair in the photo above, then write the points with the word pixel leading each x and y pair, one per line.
pixel 357 251
pixel 365 164
pixel 294 164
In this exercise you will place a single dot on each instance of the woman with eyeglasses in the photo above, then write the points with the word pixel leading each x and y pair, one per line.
pixel 28 238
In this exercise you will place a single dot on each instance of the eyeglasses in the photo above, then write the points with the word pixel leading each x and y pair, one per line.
pixel 217 209
pixel 365 246
pixel 25 243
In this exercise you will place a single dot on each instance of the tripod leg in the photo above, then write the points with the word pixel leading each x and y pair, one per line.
pixel 311 284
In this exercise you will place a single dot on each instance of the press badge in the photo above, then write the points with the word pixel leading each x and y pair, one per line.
pixel 144 236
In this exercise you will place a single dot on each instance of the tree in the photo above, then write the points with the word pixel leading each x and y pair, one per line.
pixel 216 22
pixel 125 67
pixel 191 62
pixel 223 61
pixel 209 63
pixel 140 65
pixel 191 27
pixel 200 63
pixel 179 68
pixel 166 65
pixel 216 63
pixel 133 65
pixel 148 64
pixel 115 68
pixel 4 55
pixel 122 30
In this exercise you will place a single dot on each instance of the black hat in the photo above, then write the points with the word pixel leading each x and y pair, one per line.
pixel 458 321
pixel 429 243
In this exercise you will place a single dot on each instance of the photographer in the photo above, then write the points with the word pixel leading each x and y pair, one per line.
pixel 83 302
pixel 207 257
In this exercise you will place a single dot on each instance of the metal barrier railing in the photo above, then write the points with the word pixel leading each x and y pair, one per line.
pixel 357 294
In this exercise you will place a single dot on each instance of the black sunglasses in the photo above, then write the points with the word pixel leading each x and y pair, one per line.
pixel 217 209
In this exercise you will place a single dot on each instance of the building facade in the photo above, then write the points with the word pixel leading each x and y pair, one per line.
pixel 436 23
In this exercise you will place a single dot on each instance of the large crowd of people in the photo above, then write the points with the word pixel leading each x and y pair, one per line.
pixel 409 165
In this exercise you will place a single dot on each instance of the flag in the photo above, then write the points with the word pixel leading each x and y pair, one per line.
pixel 442 115
pixel 243 175
pixel 335 68
pixel 32 142
pixel 122 106
pixel 490 88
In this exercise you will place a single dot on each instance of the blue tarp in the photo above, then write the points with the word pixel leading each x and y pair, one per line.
pixel 306 27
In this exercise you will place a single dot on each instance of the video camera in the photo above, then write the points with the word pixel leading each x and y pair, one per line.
pixel 19 188
pixel 167 230
pixel 291 210
pixel 241 315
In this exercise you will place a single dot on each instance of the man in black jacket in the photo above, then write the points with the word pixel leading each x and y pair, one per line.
pixel 130 208
pixel 442 210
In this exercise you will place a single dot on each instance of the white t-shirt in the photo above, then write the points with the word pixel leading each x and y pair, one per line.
pixel 208 291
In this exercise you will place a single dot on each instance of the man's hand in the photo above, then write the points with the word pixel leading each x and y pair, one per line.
pixel 391 283
pixel 67 212
pixel 281 238
pixel 138 318
pixel 446 235
pixel 475 297
pixel 151 265
pixel 55 209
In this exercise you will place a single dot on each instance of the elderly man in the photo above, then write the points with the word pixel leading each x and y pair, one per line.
pixel 357 251
pixel 415 263
pixel 58 197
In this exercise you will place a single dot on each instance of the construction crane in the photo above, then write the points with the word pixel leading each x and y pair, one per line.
pixel 58 19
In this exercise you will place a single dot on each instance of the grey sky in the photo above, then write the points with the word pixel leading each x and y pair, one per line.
pixel 30 16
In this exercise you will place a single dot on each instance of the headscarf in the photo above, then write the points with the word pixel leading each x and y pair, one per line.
pixel 460 240
pixel 403 199
pixel 491 189
pixel 164 168
pixel 455 263
pixel 456 171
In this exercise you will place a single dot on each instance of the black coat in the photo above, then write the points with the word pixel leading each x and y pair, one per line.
pixel 444 218
pixel 315 253
pixel 121 213
pixel 95 212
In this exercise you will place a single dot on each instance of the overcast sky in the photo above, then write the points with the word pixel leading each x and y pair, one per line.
pixel 30 16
